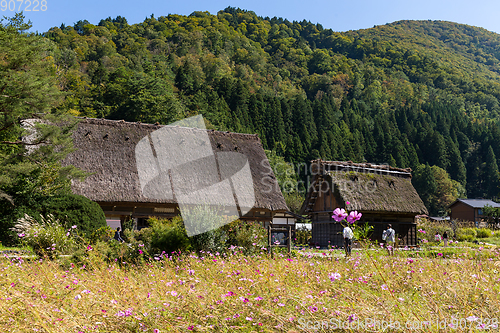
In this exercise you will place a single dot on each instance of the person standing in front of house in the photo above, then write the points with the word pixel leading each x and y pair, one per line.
pixel 348 235
pixel 437 237
pixel 389 235
pixel 118 237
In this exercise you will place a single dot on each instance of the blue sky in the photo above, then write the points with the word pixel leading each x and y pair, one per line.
pixel 339 15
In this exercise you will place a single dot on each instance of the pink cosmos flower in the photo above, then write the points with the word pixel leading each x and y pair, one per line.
pixel 334 276
pixel 347 203
pixel 353 216
pixel 313 308
pixel 339 214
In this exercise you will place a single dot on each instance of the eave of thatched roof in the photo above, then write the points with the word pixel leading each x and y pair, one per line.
pixel 368 187
pixel 106 149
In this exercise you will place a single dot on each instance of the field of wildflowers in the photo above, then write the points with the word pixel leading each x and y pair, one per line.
pixel 306 292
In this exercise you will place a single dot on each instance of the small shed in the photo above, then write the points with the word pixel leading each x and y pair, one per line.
pixel 383 194
pixel 470 209
pixel 106 149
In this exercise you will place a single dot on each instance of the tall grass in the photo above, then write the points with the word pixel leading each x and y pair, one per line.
pixel 225 293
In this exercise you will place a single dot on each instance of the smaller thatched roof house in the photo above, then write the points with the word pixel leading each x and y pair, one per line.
pixel 107 150
pixel 383 194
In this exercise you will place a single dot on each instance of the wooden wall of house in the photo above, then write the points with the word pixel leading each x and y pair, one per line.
pixel 326 200
pixel 326 231
pixel 461 211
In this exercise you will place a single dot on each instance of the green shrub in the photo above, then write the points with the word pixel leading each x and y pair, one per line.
pixel 483 233
pixel 111 251
pixel 9 214
pixel 145 235
pixel 466 234
pixel 102 234
pixel 214 240
pixel 168 235
pixel 47 237
pixel 303 236
pixel 134 251
pixel 71 209
pixel 208 235
pixel 250 236
pixel 76 210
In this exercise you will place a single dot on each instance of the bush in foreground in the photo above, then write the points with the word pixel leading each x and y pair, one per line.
pixel 483 233
pixel 76 210
pixel 466 234
pixel 169 236
pixel 46 238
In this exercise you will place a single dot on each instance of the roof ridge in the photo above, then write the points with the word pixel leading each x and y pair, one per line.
pixel 366 166
pixel 105 121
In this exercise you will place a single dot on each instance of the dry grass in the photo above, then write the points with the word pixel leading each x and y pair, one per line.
pixel 253 294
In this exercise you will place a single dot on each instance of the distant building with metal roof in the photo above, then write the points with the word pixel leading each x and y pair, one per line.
pixel 470 209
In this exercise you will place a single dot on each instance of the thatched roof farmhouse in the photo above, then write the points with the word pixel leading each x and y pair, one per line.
pixel 106 149
pixel 383 194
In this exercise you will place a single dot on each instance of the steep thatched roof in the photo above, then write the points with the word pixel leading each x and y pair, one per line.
pixel 106 148
pixel 369 187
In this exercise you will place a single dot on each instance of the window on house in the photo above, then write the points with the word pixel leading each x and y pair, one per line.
pixel 479 212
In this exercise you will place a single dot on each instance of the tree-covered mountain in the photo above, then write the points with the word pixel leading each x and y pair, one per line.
pixel 409 93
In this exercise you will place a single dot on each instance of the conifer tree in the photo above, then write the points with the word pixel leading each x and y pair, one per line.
pixel 456 169
pixel 29 92
pixel 491 175
pixel 34 136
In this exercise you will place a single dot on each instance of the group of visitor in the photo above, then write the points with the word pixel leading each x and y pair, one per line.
pixel 388 235
pixel 444 238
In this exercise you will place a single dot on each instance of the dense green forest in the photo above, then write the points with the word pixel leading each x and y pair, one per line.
pixel 419 94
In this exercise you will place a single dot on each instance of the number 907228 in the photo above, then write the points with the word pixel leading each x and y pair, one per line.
pixel 23 5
